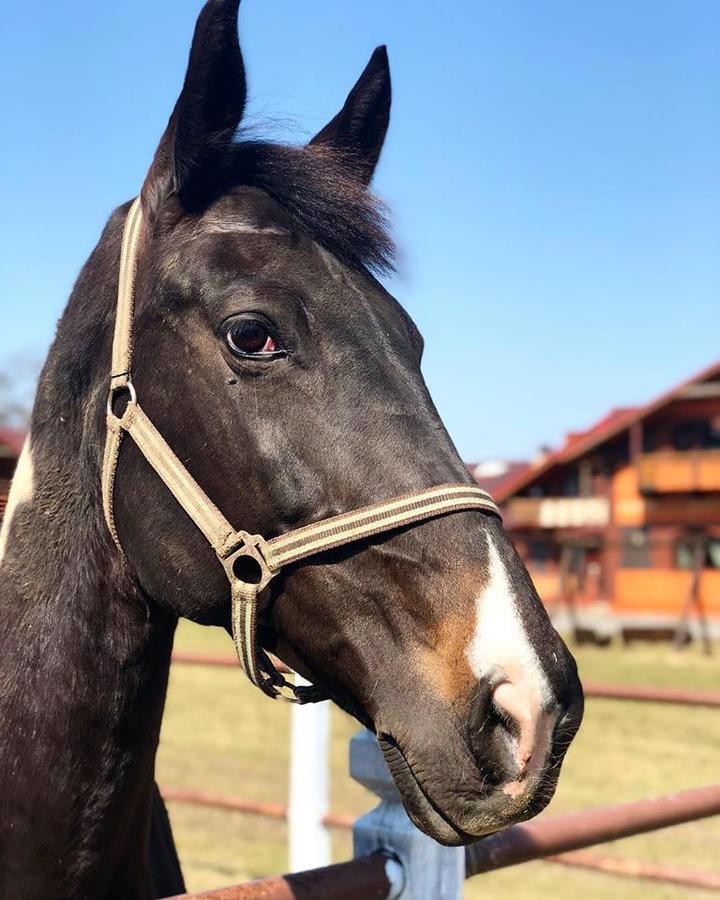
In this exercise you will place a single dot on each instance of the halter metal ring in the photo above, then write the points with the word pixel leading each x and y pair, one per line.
pixel 116 391
pixel 250 548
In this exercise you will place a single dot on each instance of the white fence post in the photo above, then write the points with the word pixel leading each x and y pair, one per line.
pixel 418 867
pixel 308 837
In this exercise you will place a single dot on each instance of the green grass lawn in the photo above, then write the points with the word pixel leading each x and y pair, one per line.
pixel 222 735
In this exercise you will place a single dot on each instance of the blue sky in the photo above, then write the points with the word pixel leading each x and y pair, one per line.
pixel 553 170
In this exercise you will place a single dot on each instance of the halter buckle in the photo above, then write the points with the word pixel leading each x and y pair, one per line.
pixel 246 562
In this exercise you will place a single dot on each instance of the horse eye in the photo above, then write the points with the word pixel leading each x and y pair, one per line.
pixel 249 337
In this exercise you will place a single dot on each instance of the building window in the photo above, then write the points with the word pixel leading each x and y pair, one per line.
pixel 652 438
pixel 685 553
pixel 571 485
pixel 635 548
pixel 713 434
pixel 539 552
pixel 697 434
pixel 713 553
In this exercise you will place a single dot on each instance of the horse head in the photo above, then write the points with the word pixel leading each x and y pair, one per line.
pixel 288 381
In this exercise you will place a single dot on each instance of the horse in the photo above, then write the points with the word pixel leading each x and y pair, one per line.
pixel 287 381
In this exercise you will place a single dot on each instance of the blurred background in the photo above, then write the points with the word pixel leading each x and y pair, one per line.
pixel 553 177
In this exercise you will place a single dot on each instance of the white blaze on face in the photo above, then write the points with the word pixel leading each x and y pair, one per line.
pixel 501 651
pixel 21 491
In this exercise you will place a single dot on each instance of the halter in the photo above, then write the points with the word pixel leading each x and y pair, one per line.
pixel 249 560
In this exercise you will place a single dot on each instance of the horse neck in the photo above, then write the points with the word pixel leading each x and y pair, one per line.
pixel 84 661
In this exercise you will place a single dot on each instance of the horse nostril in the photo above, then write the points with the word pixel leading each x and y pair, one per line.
pixel 504 719
pixel 519 707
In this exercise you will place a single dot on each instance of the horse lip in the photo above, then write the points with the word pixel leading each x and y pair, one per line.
pixel 424 813
pixel 419 807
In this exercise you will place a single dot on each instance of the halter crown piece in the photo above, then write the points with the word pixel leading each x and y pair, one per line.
pixel 250 562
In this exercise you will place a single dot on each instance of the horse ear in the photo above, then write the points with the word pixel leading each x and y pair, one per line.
pixel 207 112
pixel 360 127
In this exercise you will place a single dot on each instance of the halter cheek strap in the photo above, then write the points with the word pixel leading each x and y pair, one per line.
pixel 249 560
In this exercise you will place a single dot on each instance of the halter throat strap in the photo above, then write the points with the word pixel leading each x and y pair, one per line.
pixel 249 560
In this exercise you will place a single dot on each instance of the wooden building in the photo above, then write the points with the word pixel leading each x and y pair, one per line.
pixel 625 517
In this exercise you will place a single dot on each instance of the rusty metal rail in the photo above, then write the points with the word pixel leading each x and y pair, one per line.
pixel 551 839
pixel 204 659
pixel 360 879
pixel 560 840
pixel 678 696
pixel 248 807
pixel 648 694
pixel 579 859
pixel 548 837
pixel 635 868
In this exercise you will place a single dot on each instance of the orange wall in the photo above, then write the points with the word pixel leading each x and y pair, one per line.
pixel 631 510
pixel 649 591
pixel 681 472
pixel 663 590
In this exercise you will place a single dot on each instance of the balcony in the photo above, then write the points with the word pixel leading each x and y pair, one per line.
pixel 558 512
pixel 673 472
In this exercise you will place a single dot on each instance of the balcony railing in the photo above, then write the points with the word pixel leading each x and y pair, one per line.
pixel 679 472
pixel 558 512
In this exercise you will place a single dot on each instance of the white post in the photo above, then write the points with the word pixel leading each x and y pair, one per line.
pixel 308 837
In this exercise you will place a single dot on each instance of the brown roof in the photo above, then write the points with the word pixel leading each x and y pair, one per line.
pixel 611 425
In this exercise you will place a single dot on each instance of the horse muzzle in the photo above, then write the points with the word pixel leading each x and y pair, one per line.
pixel 459 783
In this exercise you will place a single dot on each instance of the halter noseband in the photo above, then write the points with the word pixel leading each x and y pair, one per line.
pixel 250 562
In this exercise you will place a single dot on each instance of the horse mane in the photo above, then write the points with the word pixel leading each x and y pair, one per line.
pixel 315 184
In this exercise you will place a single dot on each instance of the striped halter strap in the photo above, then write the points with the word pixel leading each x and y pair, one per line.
pixel 249 560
